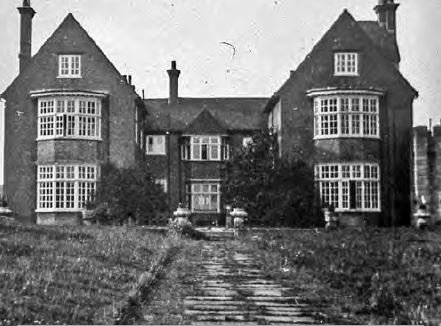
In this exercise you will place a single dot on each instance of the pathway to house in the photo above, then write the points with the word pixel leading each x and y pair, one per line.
pixel 230 287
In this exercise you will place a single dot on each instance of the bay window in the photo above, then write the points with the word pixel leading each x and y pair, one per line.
pixel 349 186
pixel 65 187
pixel 346 116
pixel 69 117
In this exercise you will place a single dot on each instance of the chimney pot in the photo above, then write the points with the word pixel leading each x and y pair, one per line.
pixel 130 79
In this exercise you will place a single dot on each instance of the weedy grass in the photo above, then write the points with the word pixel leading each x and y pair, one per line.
pixel 72 275
pixel 379 276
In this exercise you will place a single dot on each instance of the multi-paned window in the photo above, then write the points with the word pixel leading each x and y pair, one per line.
pixel 155 145
pixel 346 64
pixel 65 187
pixel 204 197
pixel 72 117
pixel 346 116
pixel 205 148
pixel 349 186
pixel 69 66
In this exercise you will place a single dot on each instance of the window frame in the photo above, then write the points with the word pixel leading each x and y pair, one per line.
pixel 334 182
pixel 69 117
pixel 194 193
pixel 346 63
pixel 155 150
pixel 71 60
pixel 349 115
pixel 201 148
pixel 75 183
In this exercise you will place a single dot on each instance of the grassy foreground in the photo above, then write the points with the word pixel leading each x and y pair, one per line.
pixel 378 276
pixel 62 275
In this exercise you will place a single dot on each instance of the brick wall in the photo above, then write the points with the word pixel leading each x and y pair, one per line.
pixel 21 151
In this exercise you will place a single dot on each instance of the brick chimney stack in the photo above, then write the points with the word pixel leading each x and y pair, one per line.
pixel 386 13
pixel 173 74
pixel 26 15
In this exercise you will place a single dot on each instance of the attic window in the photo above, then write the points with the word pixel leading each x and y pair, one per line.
pixel 69 66
pixel 346 64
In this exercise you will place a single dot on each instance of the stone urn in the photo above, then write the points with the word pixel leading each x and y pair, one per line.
pixel 422 217
pixel 238 215
pixel 331 219
pixel 182 215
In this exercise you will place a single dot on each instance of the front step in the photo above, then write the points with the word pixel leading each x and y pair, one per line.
pixel 217 234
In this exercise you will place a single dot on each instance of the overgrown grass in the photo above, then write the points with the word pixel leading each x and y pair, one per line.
pixel 365 276
pixel 64 275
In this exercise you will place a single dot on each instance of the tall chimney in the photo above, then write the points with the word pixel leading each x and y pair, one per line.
pixel 26 15
pixel 386 13
pixel 173 74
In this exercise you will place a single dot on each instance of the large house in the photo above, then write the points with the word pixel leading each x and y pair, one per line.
pixel 346 110
pixel 68 111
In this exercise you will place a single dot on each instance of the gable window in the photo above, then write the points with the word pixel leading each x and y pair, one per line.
pixel 204 197
pixel 69 117
pixel 205 148
pixel 65 187
pixel 69 66
pixel 346 64
pixel 349 187
pixel 346 116
pixel 155 145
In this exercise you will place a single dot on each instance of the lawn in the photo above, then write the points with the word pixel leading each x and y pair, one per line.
pixel 72 275
pixel 380 276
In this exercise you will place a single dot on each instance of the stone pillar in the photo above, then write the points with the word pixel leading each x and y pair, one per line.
pixel 421 174
pixel 435 156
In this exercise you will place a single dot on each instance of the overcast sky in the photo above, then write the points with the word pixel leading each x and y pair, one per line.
pixel 271 37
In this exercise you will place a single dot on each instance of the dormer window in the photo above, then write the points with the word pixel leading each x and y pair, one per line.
pixel 346 64
pixel 69 66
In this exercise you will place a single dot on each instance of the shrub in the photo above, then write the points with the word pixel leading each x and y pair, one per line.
pixel 274 190
pixel 186 230
pixel 123 193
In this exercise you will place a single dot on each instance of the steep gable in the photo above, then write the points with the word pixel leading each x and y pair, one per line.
pixel 346 35
pixel 69 38
pixel 205 124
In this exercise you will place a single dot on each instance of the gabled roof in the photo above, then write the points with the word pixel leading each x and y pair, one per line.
pixel 230 114
pixel 205 124
pixel 344 34
pixel 69 23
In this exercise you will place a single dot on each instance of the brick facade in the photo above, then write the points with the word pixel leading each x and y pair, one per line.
pixel 371 169
pixel 39 79
pixel 378 76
